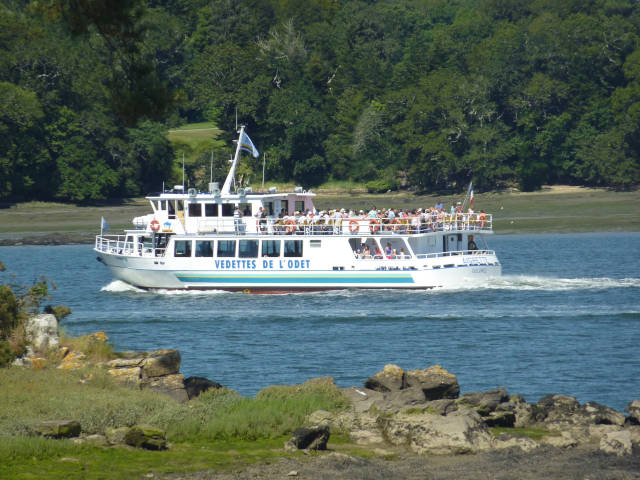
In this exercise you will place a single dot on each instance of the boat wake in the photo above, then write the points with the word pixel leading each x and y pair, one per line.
pixel 525 282
pixel 118 286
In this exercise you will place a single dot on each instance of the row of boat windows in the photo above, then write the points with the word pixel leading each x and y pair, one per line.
pixel 237 248
pixel 220 209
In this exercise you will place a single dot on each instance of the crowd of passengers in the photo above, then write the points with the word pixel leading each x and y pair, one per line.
pixel 392 219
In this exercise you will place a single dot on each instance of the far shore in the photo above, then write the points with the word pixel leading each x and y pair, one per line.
pixel 554 209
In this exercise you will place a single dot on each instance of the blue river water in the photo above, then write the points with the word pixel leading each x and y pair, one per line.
pixel 564 318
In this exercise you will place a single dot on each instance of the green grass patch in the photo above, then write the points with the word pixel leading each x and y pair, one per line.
pixel 225 415
pixel 39 458
pixel 89 396
pixel 218 430
pixel 532 433
pixel 194 135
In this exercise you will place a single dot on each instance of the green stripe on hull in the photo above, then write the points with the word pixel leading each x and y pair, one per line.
pixel 287 279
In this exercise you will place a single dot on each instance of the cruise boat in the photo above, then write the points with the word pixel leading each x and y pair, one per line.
pixel 276 242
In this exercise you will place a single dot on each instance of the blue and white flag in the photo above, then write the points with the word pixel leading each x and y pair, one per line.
pixel 104 225
pixel 247 145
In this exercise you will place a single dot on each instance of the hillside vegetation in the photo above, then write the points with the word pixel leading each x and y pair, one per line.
pixel 426 95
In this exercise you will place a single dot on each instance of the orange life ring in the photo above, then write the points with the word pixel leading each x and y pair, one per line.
pixel 155 225
pixel 395 224
pixel 374 225
pixel 291 225
pixel 354 226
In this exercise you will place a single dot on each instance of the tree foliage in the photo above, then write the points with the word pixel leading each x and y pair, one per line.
pixel 424 94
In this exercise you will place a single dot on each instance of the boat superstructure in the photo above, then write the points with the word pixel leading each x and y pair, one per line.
pixel 274 242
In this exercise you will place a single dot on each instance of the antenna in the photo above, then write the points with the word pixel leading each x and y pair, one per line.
pixel 236 118
pixel 211 174
pixel 182 170
pixel 264 161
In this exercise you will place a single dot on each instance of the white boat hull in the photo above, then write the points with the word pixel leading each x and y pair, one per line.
pixel 156 273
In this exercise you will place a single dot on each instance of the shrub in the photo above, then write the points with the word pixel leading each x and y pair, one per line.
pixel 9 311
pixel 6 355
pixel 381 186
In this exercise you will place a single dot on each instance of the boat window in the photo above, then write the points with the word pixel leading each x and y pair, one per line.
pixel 182 248
pixel 271 248
pixel 269 207
pixel 227 209
pixel 245 208
pixel 210 209
pixel 204 248
pixel 172 210
pixel 226 248
pixel 293 248
pixel 299 206
pixel 315 243
pixel 248 249
pixel 195 210
pixel 284 204
pixel 180 205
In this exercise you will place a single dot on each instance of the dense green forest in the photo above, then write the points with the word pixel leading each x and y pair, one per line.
pixel 420 94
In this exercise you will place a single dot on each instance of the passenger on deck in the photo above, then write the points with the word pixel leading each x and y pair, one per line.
pixel 471 245
pixel 388 250
pixel 402 254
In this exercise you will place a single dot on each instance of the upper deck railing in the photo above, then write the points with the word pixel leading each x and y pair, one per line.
pixel 347 226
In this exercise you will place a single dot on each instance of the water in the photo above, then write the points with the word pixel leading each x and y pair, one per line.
pixel 565 318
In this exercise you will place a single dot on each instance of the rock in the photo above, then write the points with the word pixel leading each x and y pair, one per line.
pixel 309 438
pixel 391 378
pixel 395 401
pixel 525 413
pixel 160 363
pixel 172 385
pixel 634 412
pixel 72 361
pixel 42 331
pixel 556 408
pixel 125 363
pixel 594 413
pixel 116 436
pixel 197 385
pixel 147 437
pixel 59 428
pixel 462 431
pixel 435 382
pixel 485 402
pixel 562 440
pixel 128 376
pixel 521 442
pixel 36 363
pixel 441 407
pixel 361 399
pixel 500 419
pixel 618 443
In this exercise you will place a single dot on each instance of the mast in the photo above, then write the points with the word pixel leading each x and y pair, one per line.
pixel 226 188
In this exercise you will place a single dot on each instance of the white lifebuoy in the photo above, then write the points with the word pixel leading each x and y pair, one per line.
pixel 354 226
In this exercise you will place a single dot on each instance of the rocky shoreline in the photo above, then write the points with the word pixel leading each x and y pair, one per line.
pixel 416 417
pixel 7 240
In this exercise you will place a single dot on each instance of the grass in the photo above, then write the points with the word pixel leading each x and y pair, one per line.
pixel 533 433
pixel 194 134
pixel 38 458
pixel 217 431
